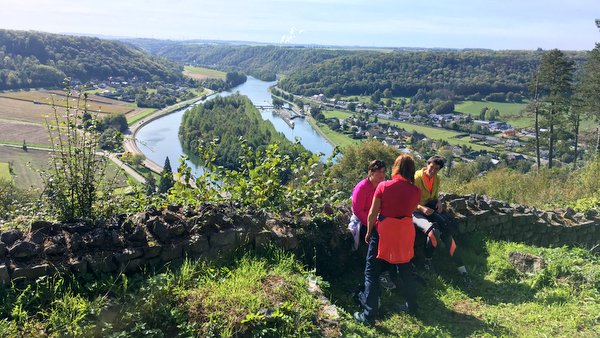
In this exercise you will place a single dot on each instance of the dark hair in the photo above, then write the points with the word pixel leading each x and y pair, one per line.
pixel 405 167
pixel 376 165
pixel 438 160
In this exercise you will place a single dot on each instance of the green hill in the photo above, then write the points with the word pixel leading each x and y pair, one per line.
pixel 35 59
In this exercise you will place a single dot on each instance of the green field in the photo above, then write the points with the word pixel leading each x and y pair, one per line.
pixel 430 132
pixel 511 113
pixel 203 73
pixel 5 171
pixel 145 113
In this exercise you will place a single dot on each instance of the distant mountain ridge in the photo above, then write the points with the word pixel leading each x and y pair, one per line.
pixel 36 59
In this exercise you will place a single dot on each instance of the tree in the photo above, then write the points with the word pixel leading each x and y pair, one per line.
pixel 589 89
pixel 376 97
pixel 352 106
pixel 150 185
pixel 166 178
pixel 482 113
pixel 555 81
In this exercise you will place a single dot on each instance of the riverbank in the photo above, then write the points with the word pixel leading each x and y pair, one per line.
pixel 129 142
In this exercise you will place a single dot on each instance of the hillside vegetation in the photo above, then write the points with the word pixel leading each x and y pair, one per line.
pixel 404 73
pixel 34 59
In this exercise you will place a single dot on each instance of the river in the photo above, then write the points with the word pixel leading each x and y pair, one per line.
pixel 159 138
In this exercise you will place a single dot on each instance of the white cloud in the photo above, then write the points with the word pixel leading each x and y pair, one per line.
pixel 291 36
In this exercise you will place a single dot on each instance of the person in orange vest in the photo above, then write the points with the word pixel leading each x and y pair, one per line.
pixel 390 236
pixel 432 221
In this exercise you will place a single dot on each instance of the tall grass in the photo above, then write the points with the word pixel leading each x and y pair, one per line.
pixel 547 188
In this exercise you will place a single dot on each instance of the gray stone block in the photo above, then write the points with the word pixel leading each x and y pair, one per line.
pixel 196 244
pixel 222 238
pixel 23 250
pixel 133 265
pixel 263 238
pixel 152 251
pixel 102 264
pixel 78 265
pixel 171 252
pixel 128 254
pixel 31 273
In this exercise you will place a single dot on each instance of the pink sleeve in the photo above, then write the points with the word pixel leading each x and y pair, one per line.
pixel 359 202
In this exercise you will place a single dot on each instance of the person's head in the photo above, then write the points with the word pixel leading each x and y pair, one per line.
pixel 377 171
pixel 405 167
pixel 434 164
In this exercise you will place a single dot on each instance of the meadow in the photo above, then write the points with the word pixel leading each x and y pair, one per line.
pixel 430 132
pixel 201 73
pixel 15 132
pixel 511 113
pixel 5 171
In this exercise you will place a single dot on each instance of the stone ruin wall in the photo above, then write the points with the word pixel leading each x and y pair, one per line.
pixel 156 237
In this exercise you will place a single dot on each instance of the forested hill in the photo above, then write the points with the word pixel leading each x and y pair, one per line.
pixel 36 59
pixel 262 62
pixel 462 72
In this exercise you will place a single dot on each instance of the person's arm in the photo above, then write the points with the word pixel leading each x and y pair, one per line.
pixel 359 204
pixel 424 210
pixel 372 217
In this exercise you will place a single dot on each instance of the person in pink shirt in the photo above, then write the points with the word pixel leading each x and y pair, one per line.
pixel 362 197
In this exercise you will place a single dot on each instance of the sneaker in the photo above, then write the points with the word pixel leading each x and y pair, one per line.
pixel 428 266
pixel 360 317
pixel 467 280
pixel 386 282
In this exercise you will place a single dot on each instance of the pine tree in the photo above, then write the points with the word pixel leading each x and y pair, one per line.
pixel 589 90
pixel 166 178
pixel 555 84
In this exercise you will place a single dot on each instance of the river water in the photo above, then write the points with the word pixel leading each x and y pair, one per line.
pixel 159 138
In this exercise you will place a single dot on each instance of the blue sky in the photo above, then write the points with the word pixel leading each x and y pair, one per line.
pixel 508 24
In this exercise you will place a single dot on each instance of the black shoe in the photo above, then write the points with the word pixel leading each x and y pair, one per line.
pixel 428 266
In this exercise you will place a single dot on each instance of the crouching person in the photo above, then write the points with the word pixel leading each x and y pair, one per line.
pixel 390 237
pixel 438 226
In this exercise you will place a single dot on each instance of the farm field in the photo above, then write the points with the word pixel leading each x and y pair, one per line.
pixel 27 164
pixel 34 106
pixel 14 132
pixel 200 73
pixel 511 113
pixel 5 172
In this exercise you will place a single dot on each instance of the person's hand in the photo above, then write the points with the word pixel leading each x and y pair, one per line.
pixel 427 211
pixel 368 237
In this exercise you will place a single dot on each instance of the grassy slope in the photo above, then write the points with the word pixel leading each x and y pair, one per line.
pixel 204 299
pixel 512 113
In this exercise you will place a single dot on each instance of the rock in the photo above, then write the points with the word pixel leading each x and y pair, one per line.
pixel 138 235
pixel 116 239
pixel 327 209
pixel 78 265
pixel 3 250
pixel 129 254
pixel 31 273
pixel 171 252
pixel 569 214
pixel 23 250
pixel 152 211
pixel 176 230
pixel 75 243
pixel 101 264
pixel 459 205
pixel 526 263
pixel 11 236
pixel 173 207
pixel 171 217
pixel 159 229
pixel 56 245
pixel 197 244
pixel 97 238
pixel 222 238
pixel 79 227
pixel 40 225
pixel 140 218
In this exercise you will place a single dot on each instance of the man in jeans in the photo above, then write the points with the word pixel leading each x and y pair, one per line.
pixel 431 220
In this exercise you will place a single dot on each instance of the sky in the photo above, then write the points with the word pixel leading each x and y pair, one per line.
pixel 493 24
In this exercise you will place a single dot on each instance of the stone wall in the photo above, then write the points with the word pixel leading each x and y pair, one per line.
pixel 155 237
pixel 519 223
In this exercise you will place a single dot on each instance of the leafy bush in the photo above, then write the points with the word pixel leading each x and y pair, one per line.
pixel 76 174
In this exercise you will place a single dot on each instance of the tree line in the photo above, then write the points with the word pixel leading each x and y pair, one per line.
pixel 34 59
pixel 473 72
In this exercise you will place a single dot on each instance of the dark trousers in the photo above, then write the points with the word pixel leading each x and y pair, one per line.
pixel 369 298
pixel 442 228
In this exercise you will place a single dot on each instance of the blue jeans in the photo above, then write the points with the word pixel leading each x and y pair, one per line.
pixel 369 298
